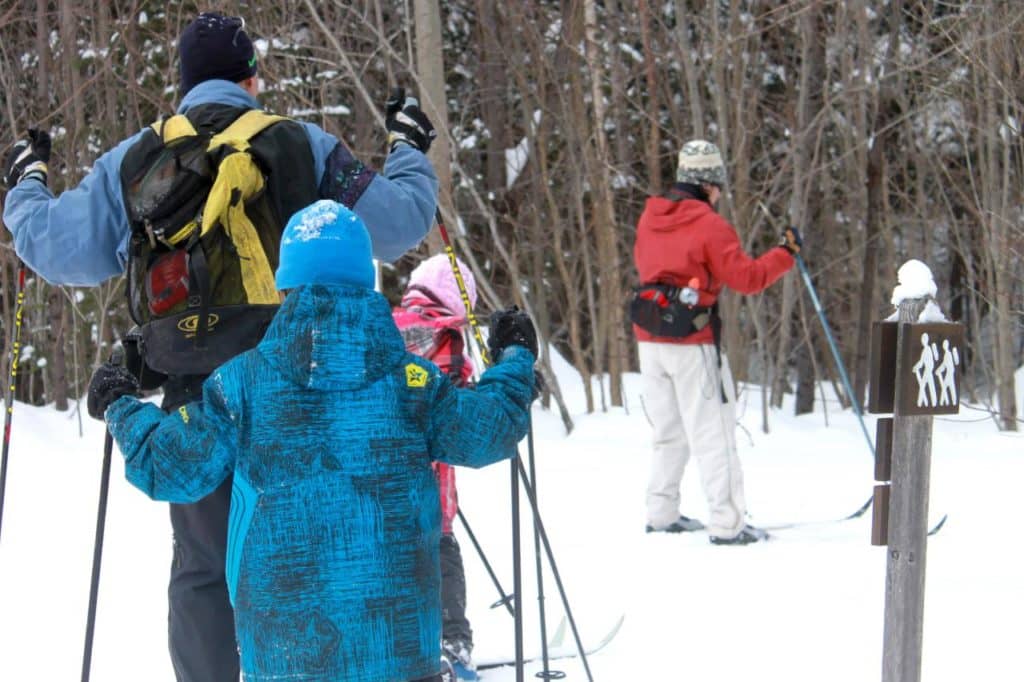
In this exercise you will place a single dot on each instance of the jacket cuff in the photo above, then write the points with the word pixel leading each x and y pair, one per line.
pixel 345 177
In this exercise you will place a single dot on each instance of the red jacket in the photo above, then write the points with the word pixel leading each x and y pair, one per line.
pixel 678 242
pixel 435 334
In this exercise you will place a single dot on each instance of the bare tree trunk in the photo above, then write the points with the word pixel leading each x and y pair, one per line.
pixel 652 132
pixel 430 69
pixel 694 98
pixel 808 209
pixel 609 268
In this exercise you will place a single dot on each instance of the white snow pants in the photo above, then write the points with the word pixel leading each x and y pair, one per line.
pixel 683 387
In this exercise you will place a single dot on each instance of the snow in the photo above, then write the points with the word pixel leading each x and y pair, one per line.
pixel 931 313
pixel 330 110
pixel 805 607
pixel 314 219
pixel 515 161
pixel 915 281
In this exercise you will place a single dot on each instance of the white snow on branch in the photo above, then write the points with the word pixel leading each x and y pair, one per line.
pixel 632 52
pixel 330 110
pixel 515 161
pixel 516 158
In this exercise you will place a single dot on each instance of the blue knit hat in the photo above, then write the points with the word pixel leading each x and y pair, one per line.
pixel 215 46
pixel 325 243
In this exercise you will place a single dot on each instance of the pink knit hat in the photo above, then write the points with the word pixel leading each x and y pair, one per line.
pixel 435 275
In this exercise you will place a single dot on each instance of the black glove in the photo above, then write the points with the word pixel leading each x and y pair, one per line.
pixel 791 240
pixel 28 158
pixel 149 378
pixel 109 382
pixel 407 123
pixel 511 327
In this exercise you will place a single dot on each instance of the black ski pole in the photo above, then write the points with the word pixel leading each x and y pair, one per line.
pixel 506 600
pixel 539 524
pixel 518 471
pixel 517 577
pixel 116 357
pixel 97 556
pixel 517 570
pixel 15 353
pixel 546 673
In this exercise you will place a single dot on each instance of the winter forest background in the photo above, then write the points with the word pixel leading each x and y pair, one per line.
pixel 884 130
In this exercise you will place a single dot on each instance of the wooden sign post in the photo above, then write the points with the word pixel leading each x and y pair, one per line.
pixel 926 361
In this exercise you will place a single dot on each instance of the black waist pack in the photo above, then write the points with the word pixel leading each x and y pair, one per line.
pixel 656 309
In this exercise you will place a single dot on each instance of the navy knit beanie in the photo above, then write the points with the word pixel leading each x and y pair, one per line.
pixel 215 46
pixel 325 243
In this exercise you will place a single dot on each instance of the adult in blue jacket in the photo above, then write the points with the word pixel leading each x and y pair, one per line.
pixel 329 427
pixel 81 238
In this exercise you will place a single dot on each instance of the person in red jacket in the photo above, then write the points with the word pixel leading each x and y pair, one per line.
pixel 686 254
pixel 431 319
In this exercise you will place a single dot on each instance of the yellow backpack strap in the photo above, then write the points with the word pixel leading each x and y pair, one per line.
pixel 173 128
pixel 245 127
pixel 238 180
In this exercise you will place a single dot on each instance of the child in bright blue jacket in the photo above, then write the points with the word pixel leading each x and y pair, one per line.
pixel 329 428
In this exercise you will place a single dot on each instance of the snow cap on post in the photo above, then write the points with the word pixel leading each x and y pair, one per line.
pixel 325 243
pixel 212 47
pixel 700 163
pixel 916 281
pixel 436 276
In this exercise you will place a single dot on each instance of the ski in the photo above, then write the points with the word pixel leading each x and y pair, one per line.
pixel 822 522
pixel 557 649
pixel 857 514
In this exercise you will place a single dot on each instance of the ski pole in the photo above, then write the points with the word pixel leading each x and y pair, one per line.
pixel 532 497
pixel 463 292
pixel 15 353
pixel 519 471
pixel 517 578
pixel 854 401
pixel 116 357
pixel 517 569
pixel 506 600
pixel 546 673
pixel 97 555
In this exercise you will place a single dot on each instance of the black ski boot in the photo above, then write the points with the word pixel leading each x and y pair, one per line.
pixel 749 534
pixel 458 654
pixel 683 524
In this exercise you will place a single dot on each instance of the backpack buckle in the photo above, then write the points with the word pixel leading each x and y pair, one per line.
pixel 149 233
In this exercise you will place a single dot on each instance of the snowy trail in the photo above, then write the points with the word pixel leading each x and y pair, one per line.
pixel 807 606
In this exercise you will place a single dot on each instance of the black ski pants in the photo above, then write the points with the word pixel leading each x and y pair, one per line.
pixel 201 623
pixel 454 625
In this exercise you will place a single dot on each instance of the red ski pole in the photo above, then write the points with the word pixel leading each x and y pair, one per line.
pixel 15 352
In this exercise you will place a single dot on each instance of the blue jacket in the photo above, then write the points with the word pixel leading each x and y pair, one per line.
pixel 329 427
pixel 81 237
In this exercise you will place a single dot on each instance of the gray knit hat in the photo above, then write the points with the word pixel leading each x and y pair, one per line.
pixel 700 163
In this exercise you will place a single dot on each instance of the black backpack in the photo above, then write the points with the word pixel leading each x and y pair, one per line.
pixel 203 245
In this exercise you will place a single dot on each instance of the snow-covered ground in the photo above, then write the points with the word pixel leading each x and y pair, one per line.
pixel 807 606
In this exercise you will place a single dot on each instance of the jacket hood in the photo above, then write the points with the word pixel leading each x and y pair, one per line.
pixel 333 337
pixel 218 92
pixel 665 215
